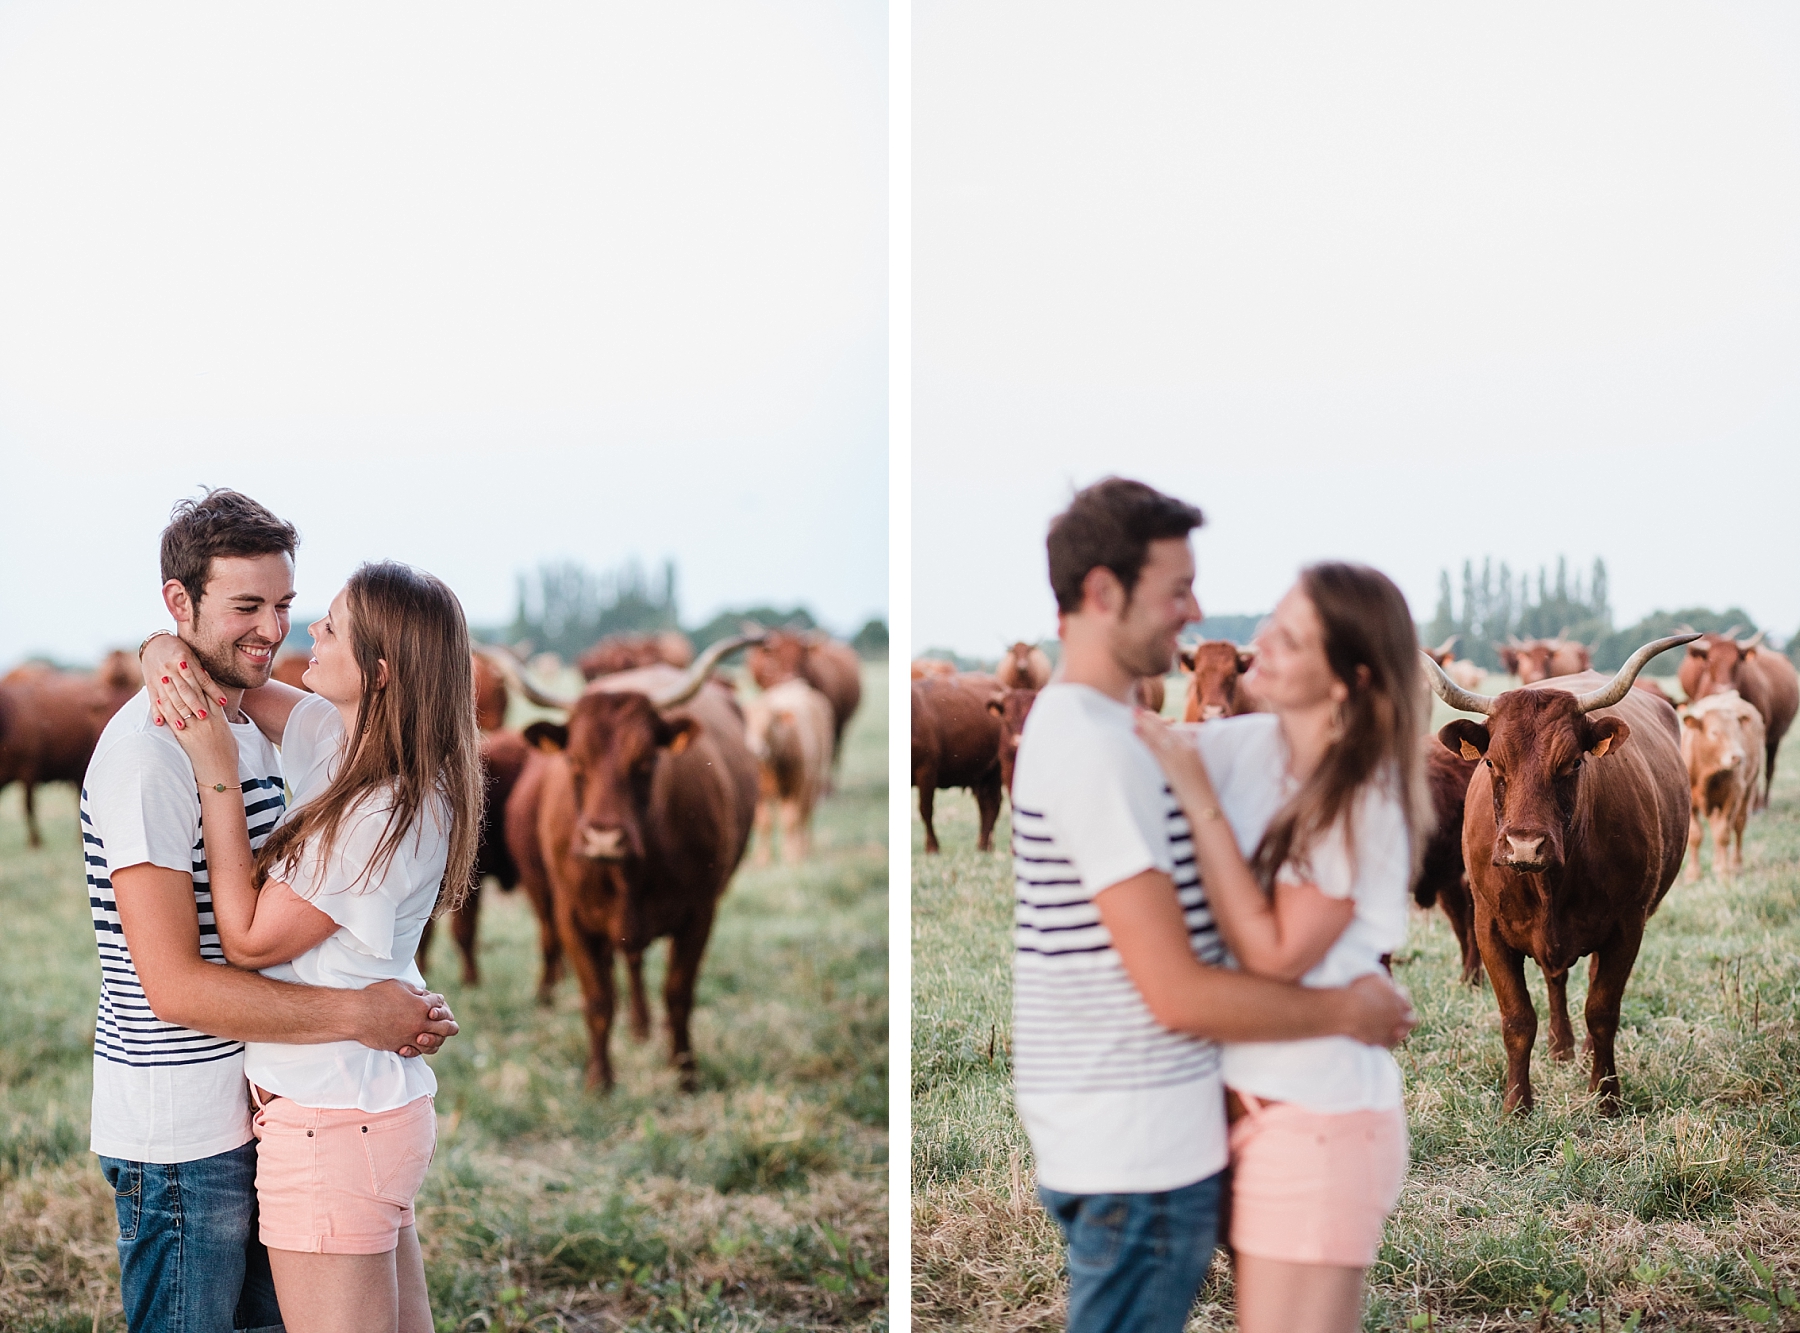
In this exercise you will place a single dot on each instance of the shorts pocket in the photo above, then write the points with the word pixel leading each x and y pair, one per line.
pixel 127 1181
pixel 398 1153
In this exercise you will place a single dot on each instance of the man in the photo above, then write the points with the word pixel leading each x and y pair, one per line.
pixel 1118 997
pixel 171 1118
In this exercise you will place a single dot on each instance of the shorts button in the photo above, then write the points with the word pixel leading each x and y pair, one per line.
pixel 365 1129
pixel 309 1133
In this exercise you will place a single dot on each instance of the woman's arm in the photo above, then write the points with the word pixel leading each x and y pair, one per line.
pixel 1282 940
pixel 255 930
pixel 180 686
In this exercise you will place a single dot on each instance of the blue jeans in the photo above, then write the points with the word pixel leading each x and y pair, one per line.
pixel 1136 1261
pixel 189 1257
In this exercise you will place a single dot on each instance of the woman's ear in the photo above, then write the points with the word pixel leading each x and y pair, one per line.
pixel 381 673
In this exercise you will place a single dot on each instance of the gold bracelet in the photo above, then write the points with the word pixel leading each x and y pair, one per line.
pixel 151 635
pixel 1211 812
pixel 220 786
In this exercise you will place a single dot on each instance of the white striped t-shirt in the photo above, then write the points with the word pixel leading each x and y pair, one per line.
pixel 1113 1101
pixel 162 1093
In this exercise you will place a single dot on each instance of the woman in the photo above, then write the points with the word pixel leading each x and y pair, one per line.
pixel 1307 825
pixel 383 763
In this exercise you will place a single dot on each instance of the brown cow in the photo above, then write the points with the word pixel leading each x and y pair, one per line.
pixel 1215 689
pixel 1025 666
pixel 289 668
pixel 490 693
pixel 956 743
pixel 830 667
pixel 789 728
pixel 1764 678
pixel 628 652
pixel 1532 660
pixel 642 818
pixel 50 721
pixel 931 666
pixel 1011 708
pixel 1722 746
pixel 1443 879
pixel 1460 669
pixel 1573 830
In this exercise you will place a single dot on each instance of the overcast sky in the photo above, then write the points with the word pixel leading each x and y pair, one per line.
pixel 467 286
pixel 1404 284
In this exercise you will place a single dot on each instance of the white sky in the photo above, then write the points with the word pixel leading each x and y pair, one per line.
pixel 469 286
pixel 1401 283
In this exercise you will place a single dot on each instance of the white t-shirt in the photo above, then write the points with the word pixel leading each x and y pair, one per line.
pixel 1113 1101
pixel 1247 760
pixel 379 918
pixel 162 1093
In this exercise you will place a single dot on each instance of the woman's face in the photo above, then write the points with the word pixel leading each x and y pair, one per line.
pixel 1291 670
pixel 333 674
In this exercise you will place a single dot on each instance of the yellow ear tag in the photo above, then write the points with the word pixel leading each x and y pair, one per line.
pixel 680 742
pixel 1469 751
pixel 1604 744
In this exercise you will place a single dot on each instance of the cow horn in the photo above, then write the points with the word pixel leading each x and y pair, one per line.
pixel 1450 692
pixel 1732 631
pixel 1447 644
pixel 524 684
pixel 690 684
pixel 1753 641
pixel 1620 685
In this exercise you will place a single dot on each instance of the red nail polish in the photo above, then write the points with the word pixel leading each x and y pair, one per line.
pixel 221 701
pixel 201 715
pixel 184 666
pixel 165 680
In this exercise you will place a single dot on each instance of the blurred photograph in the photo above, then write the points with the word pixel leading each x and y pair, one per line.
pixel 1353 861
pixel 443 669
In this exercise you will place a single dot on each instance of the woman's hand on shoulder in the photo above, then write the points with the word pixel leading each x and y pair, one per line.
pixel 1175 752
pixel 180 689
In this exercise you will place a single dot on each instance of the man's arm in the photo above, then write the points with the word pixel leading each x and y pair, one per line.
pixel 156 911
pixel 1143 916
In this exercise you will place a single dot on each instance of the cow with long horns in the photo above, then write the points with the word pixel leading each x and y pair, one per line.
pixel 1460 669
pixel 1532 660
pixel 643 813
pixel 1766 680
pixel 1574 826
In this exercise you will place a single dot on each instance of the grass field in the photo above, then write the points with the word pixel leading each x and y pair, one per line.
pixel 759 1202
pixel 1682 1213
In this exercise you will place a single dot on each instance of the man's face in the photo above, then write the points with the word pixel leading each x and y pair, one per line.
pixel 1143 638
pixel 242 618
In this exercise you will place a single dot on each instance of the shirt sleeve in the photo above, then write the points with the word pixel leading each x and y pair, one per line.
pixel 313 737
pixel 1111 817
pixel 364 905
pixel 142 800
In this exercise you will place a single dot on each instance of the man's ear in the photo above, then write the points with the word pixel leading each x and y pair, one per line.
pixel 1605 735
pixel 180 605
pixel 1102 591
pixel 1465 737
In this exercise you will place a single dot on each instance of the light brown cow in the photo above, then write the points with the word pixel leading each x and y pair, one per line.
pixel 1460 669
pixel 1717 662
pixel 830 667
pixel 788 728
pixel 1722 746
pixel 1215 688
pixel 1532 660
pixel 1024 666
pixel 50 721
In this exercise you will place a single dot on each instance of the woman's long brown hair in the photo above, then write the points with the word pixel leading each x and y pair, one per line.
pixel 414 741
pixel 1368 629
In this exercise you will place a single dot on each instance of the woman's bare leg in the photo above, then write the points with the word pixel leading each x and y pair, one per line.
pixel 337 1293
pixel 409 1271
pixel 1276 1297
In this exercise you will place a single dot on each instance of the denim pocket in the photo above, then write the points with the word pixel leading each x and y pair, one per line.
pixel 1098 1235
pixel 127 1181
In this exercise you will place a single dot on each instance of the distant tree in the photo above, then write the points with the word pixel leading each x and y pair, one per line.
pixel 731 621
pixel 571 606
pixel 1238 629
pixel 871 641
pixel 1611 653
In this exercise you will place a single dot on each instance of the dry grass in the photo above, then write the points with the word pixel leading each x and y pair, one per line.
pixel 1562 1219
pixel 757 1203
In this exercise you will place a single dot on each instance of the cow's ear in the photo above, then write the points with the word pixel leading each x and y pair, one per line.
pixel 1184 658
pixel 1606 735
pixel 1688 719
pixel 677 733
pixel 1697 649
pixel 997 706
pixel 550 737
pixel 1465 737
pixel 1245 657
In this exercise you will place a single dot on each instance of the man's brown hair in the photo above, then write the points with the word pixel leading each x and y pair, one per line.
pixel 1111 524
pixel 220 523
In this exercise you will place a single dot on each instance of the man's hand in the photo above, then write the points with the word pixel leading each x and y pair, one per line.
pixel 399 1017
pixel 1377 1012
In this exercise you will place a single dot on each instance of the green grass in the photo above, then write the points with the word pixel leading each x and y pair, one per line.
pixel 1665 1211
pixel 758 1202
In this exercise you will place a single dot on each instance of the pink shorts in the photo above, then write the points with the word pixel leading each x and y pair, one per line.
pixel 1311 1188
pixel 340 1181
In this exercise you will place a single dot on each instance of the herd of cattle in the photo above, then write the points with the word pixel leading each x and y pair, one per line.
pixel 1564 807
pixel 623 823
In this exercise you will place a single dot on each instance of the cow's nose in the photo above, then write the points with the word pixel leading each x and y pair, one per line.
pixel 1211 712
pixel 603 844
pixel 1525 849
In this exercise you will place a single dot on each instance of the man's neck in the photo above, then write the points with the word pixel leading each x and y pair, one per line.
pixel 1087 660
pixel 234 705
